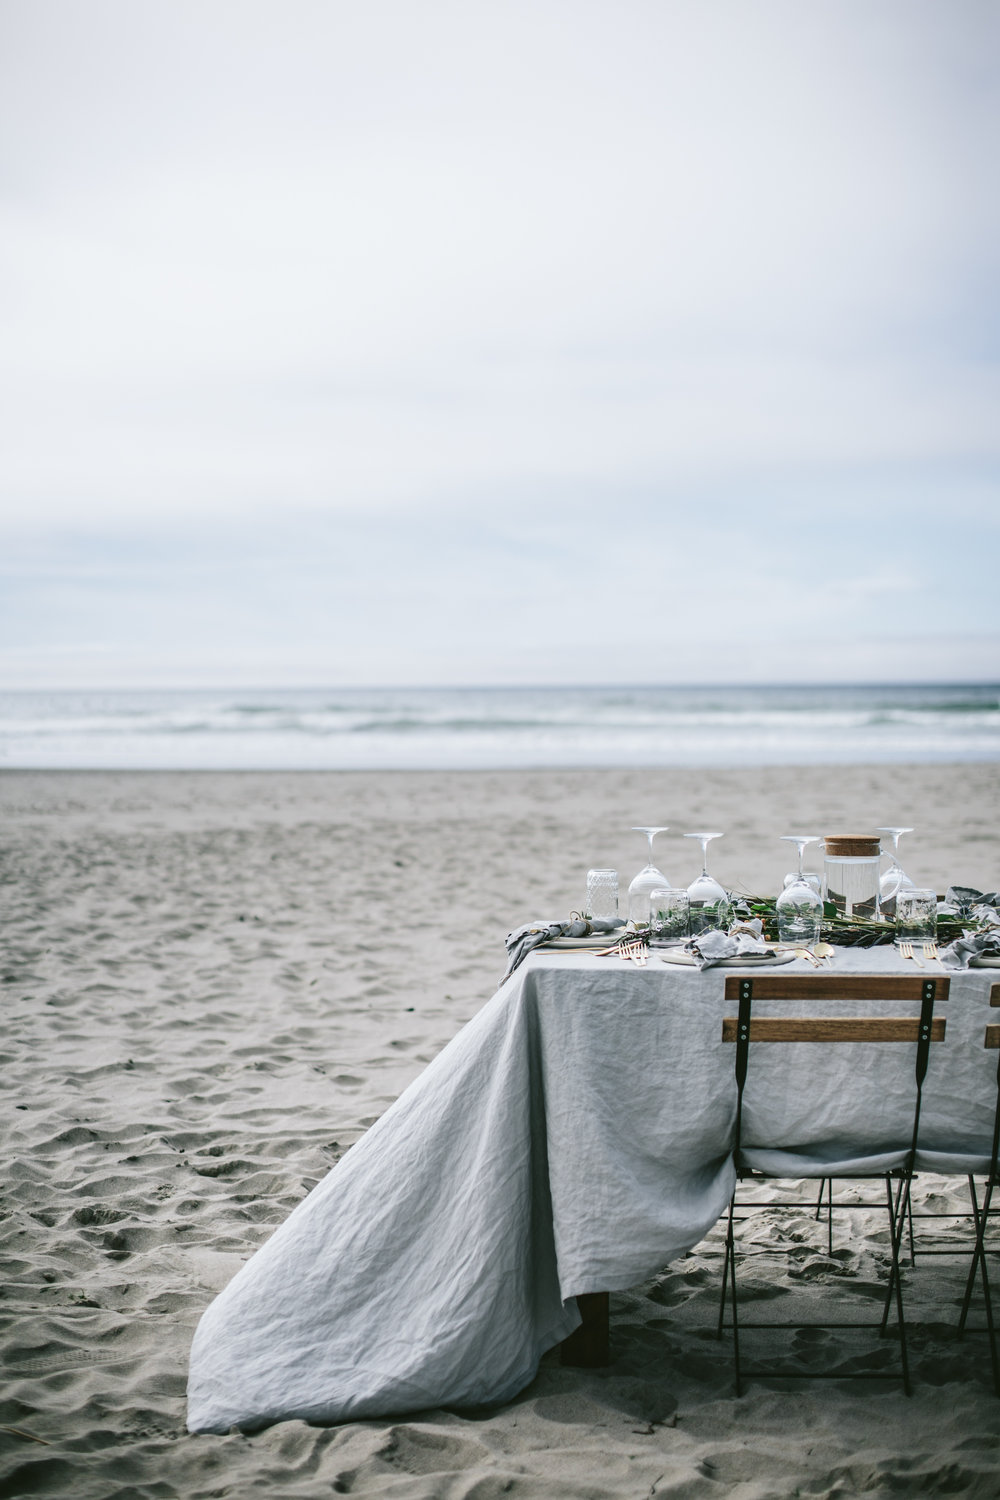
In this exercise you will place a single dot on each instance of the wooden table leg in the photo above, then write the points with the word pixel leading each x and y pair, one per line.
pixel 589 1347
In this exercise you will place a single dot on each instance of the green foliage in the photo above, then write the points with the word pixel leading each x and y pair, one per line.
pixel 852 932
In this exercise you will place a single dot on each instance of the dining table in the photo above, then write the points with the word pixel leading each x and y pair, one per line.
pixel 573 1138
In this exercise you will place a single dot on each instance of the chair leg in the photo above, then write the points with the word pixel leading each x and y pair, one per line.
pixel 893 1207
pixel 826 1186
pixel 725 1288
pixel 904 1361
pixel 736 1316
pixel 897 1211
pixel 990 1326
pixel 729 1278
pixel 909 1222
pixel 908 1214
pixel 900 1215
pixel 970 1283
pixel 979 1260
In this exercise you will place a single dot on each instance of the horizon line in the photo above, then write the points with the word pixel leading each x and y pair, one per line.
pixel 546 686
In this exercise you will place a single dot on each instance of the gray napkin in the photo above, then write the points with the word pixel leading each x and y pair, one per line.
pixel 975 906
pixel 521 942
pixel 962 898
pixel 710 948
pixel 975 945
pixel 750 927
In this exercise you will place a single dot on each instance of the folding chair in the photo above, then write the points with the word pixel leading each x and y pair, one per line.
pixel 919 1244
pixel 981 1212
pixel 968 1162
pixel 918 1030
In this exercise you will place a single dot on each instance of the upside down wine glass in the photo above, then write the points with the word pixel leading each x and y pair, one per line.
pixel 894 879
pixel 799 907
pixel 709 904
pixel 649 879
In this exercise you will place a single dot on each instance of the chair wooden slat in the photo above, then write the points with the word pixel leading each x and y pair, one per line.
pixel 992 1036
pixel 995 994
pixel 834 1028
pixel 842 987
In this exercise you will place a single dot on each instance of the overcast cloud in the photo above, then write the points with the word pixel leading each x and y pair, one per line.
pixel 471 342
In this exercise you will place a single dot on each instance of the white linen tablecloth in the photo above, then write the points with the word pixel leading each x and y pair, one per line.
pixel 574 1137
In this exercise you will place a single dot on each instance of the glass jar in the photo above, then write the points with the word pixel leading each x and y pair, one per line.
pixel 851 874
pixel 916 915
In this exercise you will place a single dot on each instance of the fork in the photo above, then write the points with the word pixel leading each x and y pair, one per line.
pixel 809 954
pixel 636 951
pixel 906 951
pixel 931 950
pixel 622 949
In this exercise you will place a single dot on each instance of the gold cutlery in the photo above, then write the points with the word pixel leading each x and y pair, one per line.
pixel 636 952
pixel 806 953
pixel 906 951
pixel 931 951
pixel 814 955
pixel 632 948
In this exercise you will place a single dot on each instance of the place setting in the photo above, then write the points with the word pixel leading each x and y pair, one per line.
pixel 853 902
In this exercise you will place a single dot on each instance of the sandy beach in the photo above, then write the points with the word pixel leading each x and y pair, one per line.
pixel 215 982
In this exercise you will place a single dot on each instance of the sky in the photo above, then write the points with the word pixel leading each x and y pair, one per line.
pixel 498 342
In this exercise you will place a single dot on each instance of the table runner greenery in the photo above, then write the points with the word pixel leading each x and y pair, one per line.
pixel 961 911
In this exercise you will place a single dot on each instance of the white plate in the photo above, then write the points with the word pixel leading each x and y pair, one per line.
pixel 748 961
pixel 985 961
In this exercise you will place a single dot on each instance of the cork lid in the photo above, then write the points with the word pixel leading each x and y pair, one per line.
pixel 860 845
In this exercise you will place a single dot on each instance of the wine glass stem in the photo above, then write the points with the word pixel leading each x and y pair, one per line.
pixel 801 852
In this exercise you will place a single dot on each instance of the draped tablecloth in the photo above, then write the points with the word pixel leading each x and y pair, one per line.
pixel 574 1137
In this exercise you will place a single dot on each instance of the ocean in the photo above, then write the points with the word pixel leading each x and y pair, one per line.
pixel 471 728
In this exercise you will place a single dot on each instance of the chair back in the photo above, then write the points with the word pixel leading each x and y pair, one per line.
pixel 919 1030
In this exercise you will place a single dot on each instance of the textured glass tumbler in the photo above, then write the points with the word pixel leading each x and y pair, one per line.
pixel 602 895
pixel 669 911
pixel 916 915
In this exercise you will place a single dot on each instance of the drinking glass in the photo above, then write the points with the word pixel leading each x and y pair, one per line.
pixel 800 906
pixel 809 876
pixel 602 894
pixel 669 909
pixel 648 879
pixel 894 879
pixel 916 915
pixel 709 904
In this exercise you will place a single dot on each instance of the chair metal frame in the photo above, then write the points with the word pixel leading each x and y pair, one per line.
pixel 825 1204
pixel 982 1213
pixel 743 1030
